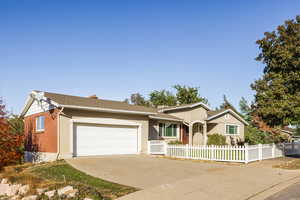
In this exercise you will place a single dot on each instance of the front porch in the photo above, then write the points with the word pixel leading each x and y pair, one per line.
pixel 194 133
pixel 198 132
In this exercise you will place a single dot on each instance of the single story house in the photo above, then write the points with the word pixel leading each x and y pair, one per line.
pixel 65 126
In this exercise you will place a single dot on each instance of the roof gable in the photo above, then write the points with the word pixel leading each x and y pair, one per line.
pixel 215 114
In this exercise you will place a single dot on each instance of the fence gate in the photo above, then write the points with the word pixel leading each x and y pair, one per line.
pixel 157 147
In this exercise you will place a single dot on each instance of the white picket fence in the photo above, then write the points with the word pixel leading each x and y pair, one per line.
pixel 243 154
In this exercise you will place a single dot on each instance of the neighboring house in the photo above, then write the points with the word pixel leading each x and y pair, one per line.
pixel 64 126
pixel 288 133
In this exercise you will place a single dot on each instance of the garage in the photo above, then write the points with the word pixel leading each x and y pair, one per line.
pixel 92 140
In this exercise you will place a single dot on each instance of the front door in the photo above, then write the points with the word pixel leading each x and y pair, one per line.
pixel 185 134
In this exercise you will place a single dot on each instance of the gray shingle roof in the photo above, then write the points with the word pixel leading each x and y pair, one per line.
pixel 63 99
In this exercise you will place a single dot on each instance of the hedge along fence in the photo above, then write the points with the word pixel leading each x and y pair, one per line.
pixel 245 154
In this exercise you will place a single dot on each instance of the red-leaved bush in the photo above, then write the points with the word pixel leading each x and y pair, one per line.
pixel 11 145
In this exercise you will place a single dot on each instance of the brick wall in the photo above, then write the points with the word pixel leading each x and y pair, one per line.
pixel 45 141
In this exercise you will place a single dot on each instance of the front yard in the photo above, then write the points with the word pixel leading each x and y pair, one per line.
pixel 59 174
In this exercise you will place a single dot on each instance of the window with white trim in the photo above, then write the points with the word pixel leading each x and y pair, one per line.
pixel 40 123
pixel 231 129
pixel 167 130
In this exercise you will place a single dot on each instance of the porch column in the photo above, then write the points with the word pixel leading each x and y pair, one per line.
pixel 191 134
pixel 205 132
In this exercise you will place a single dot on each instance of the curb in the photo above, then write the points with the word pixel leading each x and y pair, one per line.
pixel 274 189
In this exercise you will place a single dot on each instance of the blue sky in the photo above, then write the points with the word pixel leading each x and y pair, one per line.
pixel 115 48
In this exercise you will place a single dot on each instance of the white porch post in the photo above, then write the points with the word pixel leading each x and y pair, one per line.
pixel 191 134
pixel 205 132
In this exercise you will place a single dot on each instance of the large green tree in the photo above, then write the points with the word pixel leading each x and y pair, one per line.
pixel 184 95
pixel 187 95
pixel 162 97
pixel 277 98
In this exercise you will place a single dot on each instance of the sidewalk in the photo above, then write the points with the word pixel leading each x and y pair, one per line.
pixel 234 183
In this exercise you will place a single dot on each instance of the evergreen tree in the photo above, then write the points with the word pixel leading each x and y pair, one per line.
pixel 277 98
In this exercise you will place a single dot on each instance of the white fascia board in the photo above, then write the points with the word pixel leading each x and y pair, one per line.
pixel 30 99
pixel 107 110
pixel 187 106
pixel 226 111
pixel 164 118
pixel 27 105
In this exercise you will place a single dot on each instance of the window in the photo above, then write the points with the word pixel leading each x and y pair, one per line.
pixel 40 123
pixel 167 130
pixel 232 129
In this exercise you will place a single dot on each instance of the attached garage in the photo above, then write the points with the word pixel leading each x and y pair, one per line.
pixel 104 139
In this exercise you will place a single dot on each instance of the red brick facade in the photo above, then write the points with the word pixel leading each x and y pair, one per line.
pixel 45 141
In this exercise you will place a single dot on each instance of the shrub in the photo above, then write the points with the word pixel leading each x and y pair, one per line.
pixel 216 139
pixel 255 136
pixel 175 142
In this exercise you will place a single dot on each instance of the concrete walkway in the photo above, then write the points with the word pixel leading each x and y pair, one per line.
pixel 166 179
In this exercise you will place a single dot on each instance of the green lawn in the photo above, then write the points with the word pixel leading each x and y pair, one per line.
pixel 58 174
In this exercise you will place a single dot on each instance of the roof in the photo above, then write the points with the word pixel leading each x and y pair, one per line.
pixel 164 116
pixel 65 100
pixel 192 105
pixel 217 113
pixel 86 103
pixel 214 112
pixel 77 102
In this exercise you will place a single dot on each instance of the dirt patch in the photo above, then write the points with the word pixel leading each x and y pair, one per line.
pixel 290 163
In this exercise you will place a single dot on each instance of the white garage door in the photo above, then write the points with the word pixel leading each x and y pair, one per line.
pixel 105 140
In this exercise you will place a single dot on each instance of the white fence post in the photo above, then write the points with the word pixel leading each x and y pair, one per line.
pixel 259 151
pixel 166 148
pixel 186 149
pixel 213 152
pixel 273 150
pixel 246 153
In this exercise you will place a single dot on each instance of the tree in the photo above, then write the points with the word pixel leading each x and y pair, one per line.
pixel 138 99
pixel 16 125
pixel 245 109
pixel 184 95
pixel 257 132
pixel 162 97
pixel 187 95
pixel 277 98
pixel 11 145
pixel 227 105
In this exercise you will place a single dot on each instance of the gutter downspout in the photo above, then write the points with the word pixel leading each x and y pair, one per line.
pixel 58 132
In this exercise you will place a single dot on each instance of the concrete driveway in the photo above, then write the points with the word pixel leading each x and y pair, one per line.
pixel 161 178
